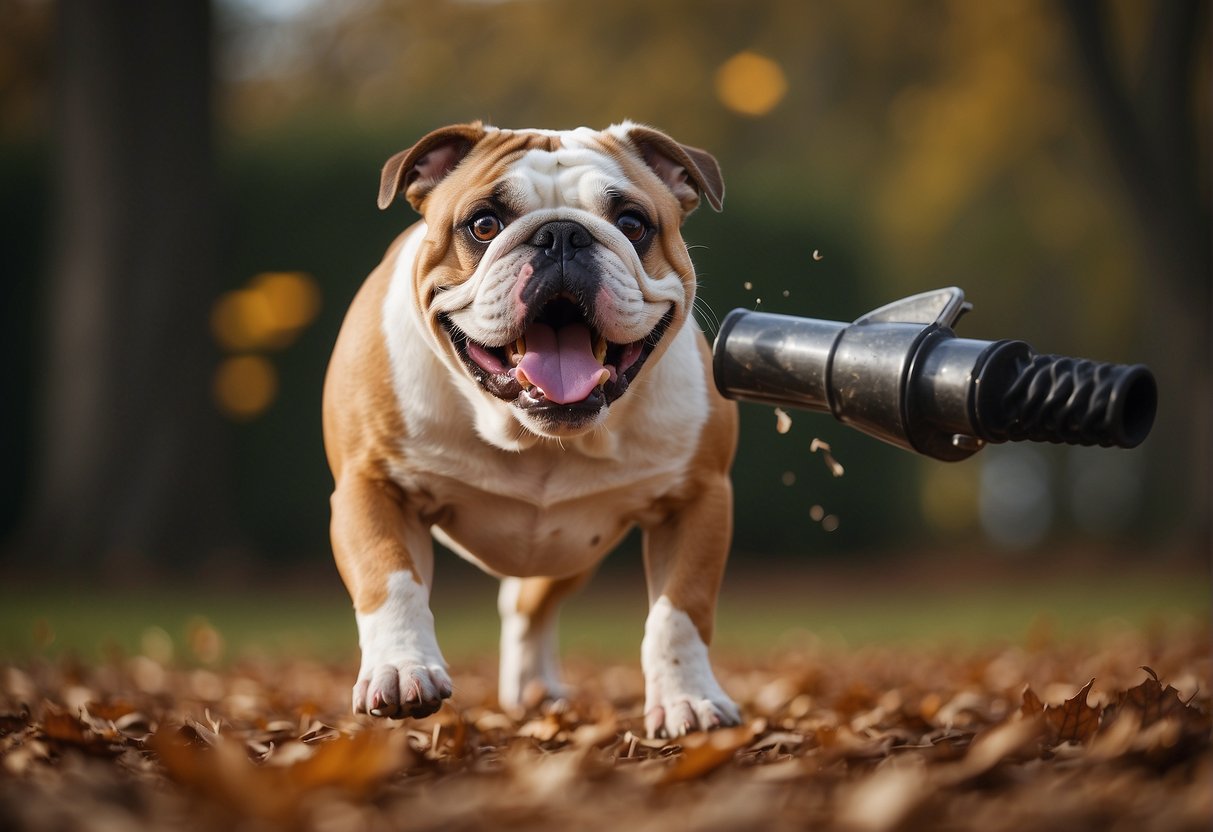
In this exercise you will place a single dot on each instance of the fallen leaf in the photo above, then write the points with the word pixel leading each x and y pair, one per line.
pixel 196 733
pixel 62 728
pixel 884 799
pixel 778 739
pixel 1074 720
pixel 595 734
pixel 1153 702
pixel 223 772
pixel 113 710
pixel 703 753
pixel 11 723
pixel 544 729
pixel 991 748
pixel 354 763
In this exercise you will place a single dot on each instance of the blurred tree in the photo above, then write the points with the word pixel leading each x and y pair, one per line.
pixel 1150 127
pixel 130 466
pixel 917 144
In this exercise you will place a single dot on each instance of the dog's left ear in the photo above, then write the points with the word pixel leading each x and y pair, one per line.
pixel 687 171
pixel 415 172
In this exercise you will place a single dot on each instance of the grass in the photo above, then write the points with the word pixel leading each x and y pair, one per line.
pixel 758 615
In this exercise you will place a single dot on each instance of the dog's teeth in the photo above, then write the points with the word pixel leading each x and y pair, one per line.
pixel 603 377
pixel 520 347
pixel 600 349
pixel 522 379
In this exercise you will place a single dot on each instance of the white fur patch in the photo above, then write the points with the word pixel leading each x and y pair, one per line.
pixel 681 692
pixel 402 629
pixel 528 653
pixel 403 672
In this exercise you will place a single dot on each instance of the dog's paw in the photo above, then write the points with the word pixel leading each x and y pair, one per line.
pixel 681 692
pixel 533 694
pixel 401 690
pixel 528 680
pixel 679 714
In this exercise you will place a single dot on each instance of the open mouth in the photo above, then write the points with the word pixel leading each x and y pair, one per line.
pixel 559 363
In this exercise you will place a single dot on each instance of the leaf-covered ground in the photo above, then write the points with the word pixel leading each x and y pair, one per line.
pixel 1110 733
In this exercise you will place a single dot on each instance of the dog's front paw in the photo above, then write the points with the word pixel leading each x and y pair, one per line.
pixel 676 714
pixel 401 690
pixel 681 692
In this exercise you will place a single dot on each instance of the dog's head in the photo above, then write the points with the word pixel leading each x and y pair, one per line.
pixel 553 268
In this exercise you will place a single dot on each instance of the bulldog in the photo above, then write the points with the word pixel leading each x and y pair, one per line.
pixel 522 379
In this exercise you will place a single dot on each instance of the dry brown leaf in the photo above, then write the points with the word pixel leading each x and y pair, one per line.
pixel 198 734
pixel 656 743
pixel 1002 743
pixel 12 723
pixel 288 754
pixel 354 763
pixel 223 772
pixel 779 740
pixel 595 734
pixel 1153 702
pixel 703 753
pixel 885 799
pixel 1032 706
pixel 224 775
pixel 454 731
pixel 112 711
pixel 544 729
pixel 1074 720
pixel 62 728
pixel 1115 739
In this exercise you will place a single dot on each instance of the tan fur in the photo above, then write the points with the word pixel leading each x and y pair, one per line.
pixel 362 428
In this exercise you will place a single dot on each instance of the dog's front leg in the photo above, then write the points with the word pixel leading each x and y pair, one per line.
pixel 684 559
pixel 386 558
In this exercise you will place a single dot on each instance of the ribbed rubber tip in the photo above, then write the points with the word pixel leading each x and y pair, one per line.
pixel 1055 398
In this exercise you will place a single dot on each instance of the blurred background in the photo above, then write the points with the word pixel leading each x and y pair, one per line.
pixel 188 206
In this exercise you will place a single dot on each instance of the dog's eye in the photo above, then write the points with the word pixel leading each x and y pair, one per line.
pixel 632 225
pixel 484 227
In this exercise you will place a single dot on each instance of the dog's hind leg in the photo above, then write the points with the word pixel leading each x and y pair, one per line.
pixel 530 662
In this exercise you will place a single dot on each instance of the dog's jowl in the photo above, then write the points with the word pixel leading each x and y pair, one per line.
pixel 522 379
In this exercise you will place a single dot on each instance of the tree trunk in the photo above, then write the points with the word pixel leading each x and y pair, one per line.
pixel 131 467
pixel 1153 139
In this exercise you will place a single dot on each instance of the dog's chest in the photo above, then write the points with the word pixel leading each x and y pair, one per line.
pixel 543 514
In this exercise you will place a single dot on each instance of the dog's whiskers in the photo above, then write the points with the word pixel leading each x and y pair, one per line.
pixel 704 310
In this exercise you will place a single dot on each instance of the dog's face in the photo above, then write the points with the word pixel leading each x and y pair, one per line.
pixel 553 269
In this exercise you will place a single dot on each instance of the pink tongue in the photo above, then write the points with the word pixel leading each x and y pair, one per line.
pixel 561 362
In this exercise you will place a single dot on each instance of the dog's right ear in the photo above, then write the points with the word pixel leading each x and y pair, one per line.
pixel 415 172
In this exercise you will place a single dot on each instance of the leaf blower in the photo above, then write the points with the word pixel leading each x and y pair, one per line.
pixel 900 374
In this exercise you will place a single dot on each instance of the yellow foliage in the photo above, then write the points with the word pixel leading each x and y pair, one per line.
pixel 750 84
pixel 244 386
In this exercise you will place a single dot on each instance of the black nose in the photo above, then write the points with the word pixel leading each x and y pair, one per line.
pixel 564 263
pixel 560 239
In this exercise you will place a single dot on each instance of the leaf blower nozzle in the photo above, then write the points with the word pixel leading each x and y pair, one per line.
pixel 900 374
